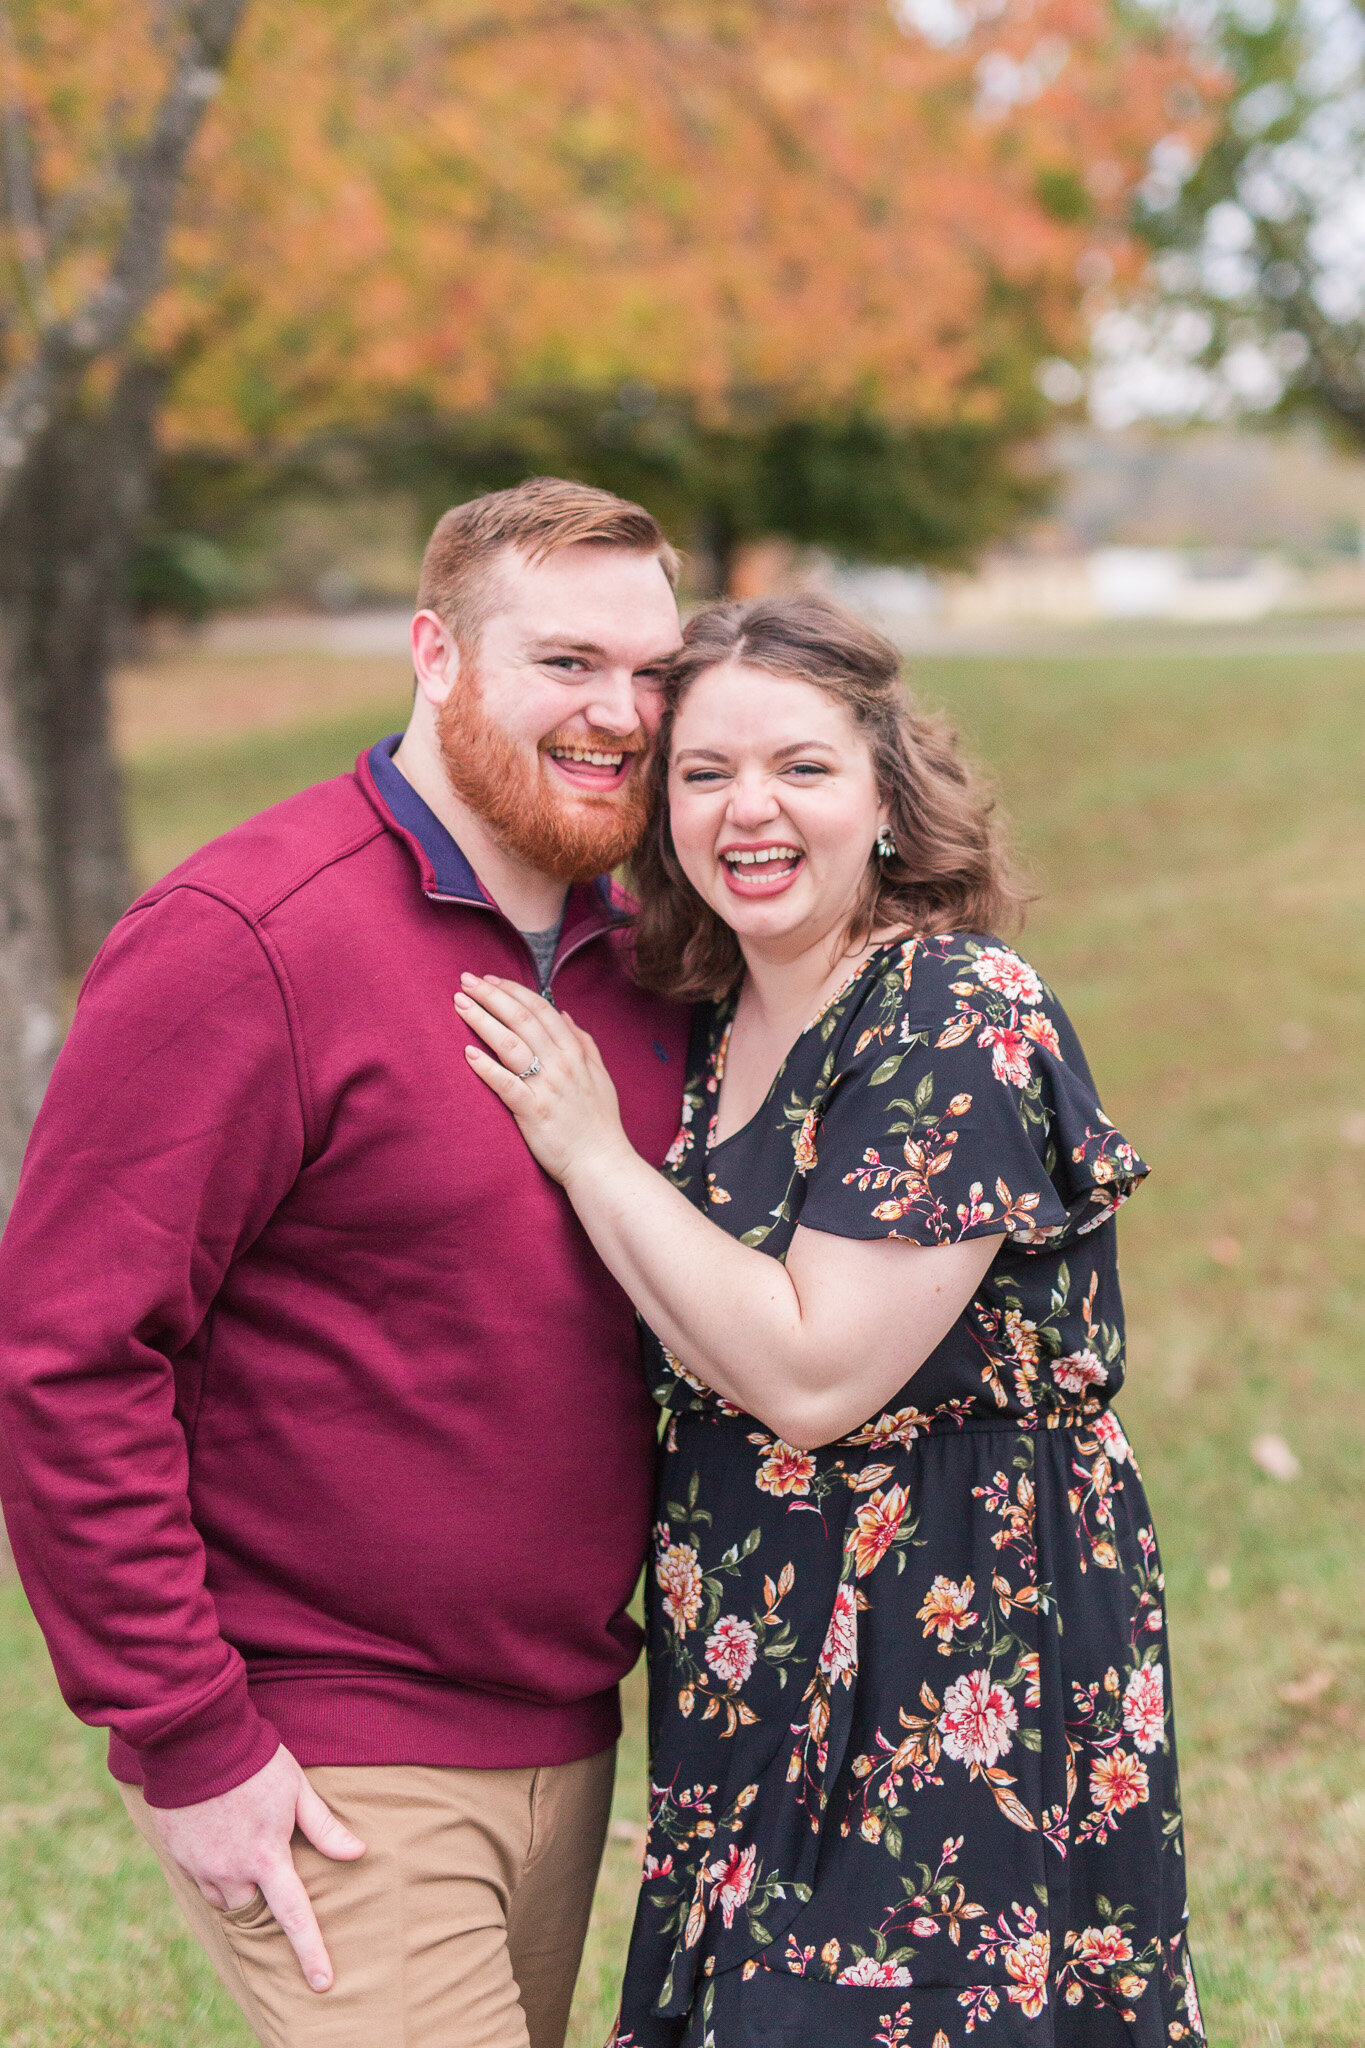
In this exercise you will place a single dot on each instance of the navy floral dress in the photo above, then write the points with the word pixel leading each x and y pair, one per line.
pixel 913 1772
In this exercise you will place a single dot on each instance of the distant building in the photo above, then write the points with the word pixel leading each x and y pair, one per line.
pixel 1212 525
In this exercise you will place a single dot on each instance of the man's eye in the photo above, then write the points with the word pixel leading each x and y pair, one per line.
pixel 569 662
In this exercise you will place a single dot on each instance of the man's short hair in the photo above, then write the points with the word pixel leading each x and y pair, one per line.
pixel 537 519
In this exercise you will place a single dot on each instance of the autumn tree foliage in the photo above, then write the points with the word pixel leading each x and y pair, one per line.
pixel 433 201
pixel 769 211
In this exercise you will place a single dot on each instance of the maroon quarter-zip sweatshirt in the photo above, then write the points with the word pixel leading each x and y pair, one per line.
pixel 320 1421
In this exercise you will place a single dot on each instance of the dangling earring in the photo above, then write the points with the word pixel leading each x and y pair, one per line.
pixel 885 844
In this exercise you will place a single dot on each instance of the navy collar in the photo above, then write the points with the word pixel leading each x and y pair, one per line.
pixel 451 873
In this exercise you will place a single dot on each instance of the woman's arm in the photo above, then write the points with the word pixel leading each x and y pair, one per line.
pixel 811 1348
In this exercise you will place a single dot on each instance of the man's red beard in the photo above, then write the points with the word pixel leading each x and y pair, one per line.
pixel 557 831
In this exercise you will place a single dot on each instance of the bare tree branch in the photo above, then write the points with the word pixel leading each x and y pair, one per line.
pixel 152 184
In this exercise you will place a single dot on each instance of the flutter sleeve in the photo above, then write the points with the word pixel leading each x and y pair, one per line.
pixel 962 1107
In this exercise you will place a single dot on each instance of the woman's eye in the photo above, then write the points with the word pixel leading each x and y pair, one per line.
pixel 807 769
pixel 697 775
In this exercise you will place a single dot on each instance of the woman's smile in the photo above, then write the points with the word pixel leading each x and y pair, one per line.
pixel 761 867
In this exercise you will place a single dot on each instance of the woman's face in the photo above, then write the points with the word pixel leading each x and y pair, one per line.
pixel 773 806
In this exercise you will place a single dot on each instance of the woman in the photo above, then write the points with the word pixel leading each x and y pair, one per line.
pixel 912 1757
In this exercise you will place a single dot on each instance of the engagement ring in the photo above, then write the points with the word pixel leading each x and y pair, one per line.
pixel 534 1068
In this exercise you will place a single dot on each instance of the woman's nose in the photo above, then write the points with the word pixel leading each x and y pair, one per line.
pixel 752 803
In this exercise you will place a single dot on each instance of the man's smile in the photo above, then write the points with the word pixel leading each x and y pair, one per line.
pixel 591 768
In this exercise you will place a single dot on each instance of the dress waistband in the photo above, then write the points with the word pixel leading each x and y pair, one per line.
pixel 904 1425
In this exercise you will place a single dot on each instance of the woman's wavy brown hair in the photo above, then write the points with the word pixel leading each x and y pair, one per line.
pixel 952 869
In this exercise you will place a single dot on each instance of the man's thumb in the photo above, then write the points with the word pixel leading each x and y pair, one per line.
pixel 317 1820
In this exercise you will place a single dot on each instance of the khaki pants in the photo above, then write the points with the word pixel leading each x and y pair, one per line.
pixel 461 1926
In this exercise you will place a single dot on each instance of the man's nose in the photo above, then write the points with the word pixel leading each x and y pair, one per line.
pixel 612 707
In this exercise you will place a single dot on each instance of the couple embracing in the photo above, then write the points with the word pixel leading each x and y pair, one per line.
pixel 327 1455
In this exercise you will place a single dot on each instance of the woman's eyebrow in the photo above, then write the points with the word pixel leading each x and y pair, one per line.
pixel 778 754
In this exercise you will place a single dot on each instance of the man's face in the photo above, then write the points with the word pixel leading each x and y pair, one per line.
pixel 546 728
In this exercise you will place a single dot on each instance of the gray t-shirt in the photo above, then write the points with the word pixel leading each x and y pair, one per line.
pixel 544 945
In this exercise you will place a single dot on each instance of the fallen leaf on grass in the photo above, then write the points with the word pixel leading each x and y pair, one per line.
pixel 1306 1692
pixel 1274 1457
pixel 1224 1251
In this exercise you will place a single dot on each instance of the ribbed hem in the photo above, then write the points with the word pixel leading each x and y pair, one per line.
pixel 385 1718
pixel 219 1749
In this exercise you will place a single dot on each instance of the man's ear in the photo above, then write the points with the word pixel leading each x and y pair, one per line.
pixel 435 657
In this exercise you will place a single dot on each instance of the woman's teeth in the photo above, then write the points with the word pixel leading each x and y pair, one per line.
pixel 760 855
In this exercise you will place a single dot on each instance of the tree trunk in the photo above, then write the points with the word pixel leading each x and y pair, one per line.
pixel 714 549
pixel 65 550
pixel 29 1028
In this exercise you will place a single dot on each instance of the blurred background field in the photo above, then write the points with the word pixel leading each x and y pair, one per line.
pixel 1197 826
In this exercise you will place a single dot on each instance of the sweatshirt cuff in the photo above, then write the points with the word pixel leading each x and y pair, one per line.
pixel 212 1753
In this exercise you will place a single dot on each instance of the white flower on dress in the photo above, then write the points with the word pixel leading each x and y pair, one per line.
pixel 1008 975
pixel 1077 1371
pixel 867 1970
pixel 978 1719
pixel 1144 1707
pixel 731 1648
pixel 1110 1433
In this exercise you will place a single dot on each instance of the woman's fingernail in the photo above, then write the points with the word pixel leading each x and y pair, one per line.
pixel 462 1002
pixel 318 1981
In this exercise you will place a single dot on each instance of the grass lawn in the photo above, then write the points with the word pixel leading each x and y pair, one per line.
pixel 1197 827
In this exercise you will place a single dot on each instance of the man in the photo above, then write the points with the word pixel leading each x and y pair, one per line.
pixel 324 1448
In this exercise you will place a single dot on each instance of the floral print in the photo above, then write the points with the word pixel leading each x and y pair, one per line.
pixel 913 1771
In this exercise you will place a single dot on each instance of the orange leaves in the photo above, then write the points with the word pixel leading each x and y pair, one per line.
pixel 426 203
pixel 1009 1803
pixel 958 1032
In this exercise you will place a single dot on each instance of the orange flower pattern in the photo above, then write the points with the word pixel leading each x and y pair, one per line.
pixel 913 1770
